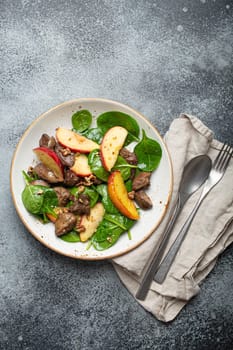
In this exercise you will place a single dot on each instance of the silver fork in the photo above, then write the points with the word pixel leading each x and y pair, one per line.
pixel 218 169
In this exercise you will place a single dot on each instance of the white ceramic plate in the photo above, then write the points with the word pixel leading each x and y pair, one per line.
pixel 159 191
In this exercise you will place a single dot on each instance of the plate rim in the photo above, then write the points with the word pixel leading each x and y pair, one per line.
pixel 79 101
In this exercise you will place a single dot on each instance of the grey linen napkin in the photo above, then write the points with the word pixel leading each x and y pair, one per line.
pixel 209 235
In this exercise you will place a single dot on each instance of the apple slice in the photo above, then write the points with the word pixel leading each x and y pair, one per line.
pixel 50 159
pixel 92 221
pixel 111 145
pixel 81 167
pixel 74 141
pixel 119 196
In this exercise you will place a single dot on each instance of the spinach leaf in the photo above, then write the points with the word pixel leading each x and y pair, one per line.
pixel 71 237
pixel 107 120
pixel 106 235
pixel 98 170
pixel 107 203
pixel 120 220
pixel 42 218
pixel 148 153
pixel 32 197
pixel 109 231
pixel 94 134
pixel 90 191
pixel 39 199
pixel 128 185
pixel 103 231
pixel 74 191
pixel 29 178
pixel 93 195
pixel 81 120
pixel 50 201
pixel 123 167
pixel 96 166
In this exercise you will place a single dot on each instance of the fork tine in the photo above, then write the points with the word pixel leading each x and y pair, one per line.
pixel 227 159
pixel 224 157
pixel 216 162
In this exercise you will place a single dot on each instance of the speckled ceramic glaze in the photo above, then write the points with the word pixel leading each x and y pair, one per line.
pixel 159 191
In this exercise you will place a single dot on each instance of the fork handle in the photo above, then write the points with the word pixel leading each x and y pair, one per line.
pixel 167 261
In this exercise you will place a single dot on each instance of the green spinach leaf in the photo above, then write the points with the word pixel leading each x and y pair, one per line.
pixel 120 220
pixel 107 203
pixel 50 201
pixel 94 196
pixel 74 191
pixel 96 166
pixel 39 199
pixel 106 235
pixel 81 120
pixel 32 197
pixel 29 178
pixel 90 191
pixel 148 153
pixel 107 120
pixel 71 237
pixel 123 167
pixel 94 134
pixel 98 170
pixel 128 185
pixel 109 230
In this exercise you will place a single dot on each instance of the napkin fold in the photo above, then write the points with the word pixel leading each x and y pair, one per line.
pixel 211 231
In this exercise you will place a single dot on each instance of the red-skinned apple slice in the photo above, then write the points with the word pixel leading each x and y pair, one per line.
pixel 112 143
pixel 74 141
pixel 119 196
pixel 92 221
pixel 50 159
pixel 81 167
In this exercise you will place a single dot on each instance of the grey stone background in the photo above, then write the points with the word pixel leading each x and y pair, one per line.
pixel 161 57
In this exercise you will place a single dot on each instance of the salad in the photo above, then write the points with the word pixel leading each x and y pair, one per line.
pixel 91 181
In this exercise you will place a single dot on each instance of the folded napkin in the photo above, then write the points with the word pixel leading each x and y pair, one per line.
pixel 210 233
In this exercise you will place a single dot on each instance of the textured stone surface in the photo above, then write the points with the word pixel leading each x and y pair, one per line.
pixel 160 57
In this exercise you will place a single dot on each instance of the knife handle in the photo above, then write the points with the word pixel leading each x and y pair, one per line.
pixel 152 266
